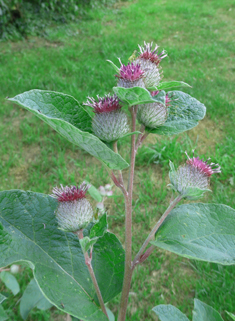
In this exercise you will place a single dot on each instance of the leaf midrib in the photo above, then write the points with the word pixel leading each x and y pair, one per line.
pixel 29 240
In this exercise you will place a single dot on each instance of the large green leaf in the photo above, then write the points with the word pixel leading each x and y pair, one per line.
pixel 133 96
pixel 10 282
pixel 200 231
pixel 184 114
pixel 56 257
pixel 204 312
pixel 31 298
pixel 71 121
pixel 55 105
pixel 167 312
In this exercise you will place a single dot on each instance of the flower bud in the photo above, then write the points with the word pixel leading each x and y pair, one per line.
pixel 130 76
pixel 74 211
pixel 108 187
pixel 110 122
pixel 149 61
pixel 14 268
pixel 192 179
pixel 152 115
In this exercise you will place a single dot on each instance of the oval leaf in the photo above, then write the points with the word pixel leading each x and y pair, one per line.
pixel 32 298
pixel 204 312
pixel 200 231
pixel 133 96
pixel 110 314
pixel 48 106
pixel 114 66
pixel 184 114
pixel 170 84
pixel 10 282
pixel 95 193
pixel 231 315
pixel 55 105
pixel 86 243
pixel 56 256
pixel 167 312
pixel 100 227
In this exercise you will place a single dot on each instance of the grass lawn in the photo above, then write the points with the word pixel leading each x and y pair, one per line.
pixel 198 36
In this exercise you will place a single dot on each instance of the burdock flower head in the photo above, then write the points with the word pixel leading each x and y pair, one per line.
pixel 74 212
pixel 130 76
pixel 153 115
pixel 110 122
pixel 149 60
pixel 192 179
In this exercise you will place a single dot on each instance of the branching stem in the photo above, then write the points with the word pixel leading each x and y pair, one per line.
pixel 141 138
pixel 140 257
pixel 3 270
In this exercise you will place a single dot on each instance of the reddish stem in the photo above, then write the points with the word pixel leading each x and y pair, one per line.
pixel 140 254
pixel 88 260
pixel 128 224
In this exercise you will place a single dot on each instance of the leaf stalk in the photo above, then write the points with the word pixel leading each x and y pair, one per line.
pixel 88 259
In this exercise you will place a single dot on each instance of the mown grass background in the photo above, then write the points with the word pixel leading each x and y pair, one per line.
pixel 198 36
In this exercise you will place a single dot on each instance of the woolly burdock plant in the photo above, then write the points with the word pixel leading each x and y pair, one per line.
pixel 110 122
pixel 191 180
pixel 74 211
pixel 130 76
pixel 153 115
pixel 149 61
